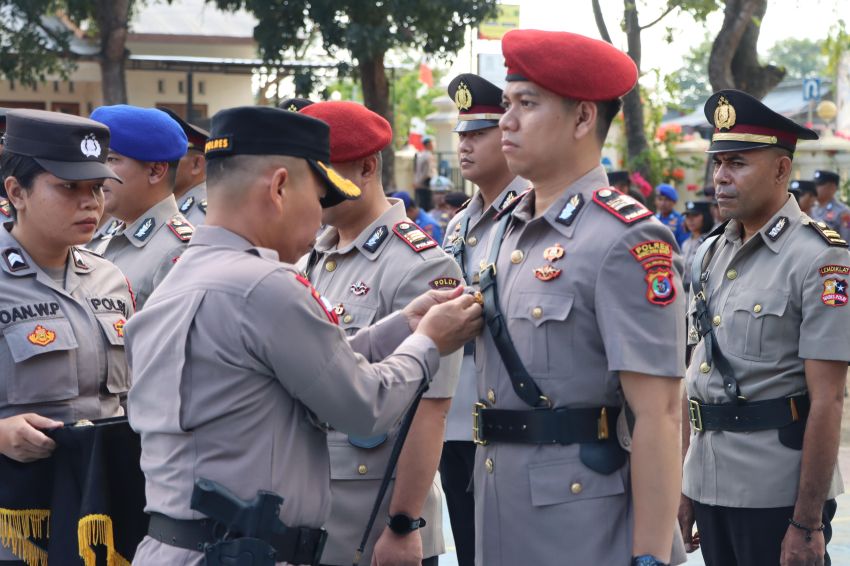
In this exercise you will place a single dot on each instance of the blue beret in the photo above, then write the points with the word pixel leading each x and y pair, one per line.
pixel 144 134
pixel 404 197
pixel 668 191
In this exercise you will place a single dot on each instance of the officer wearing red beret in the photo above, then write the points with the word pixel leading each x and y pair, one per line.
pixel 585 311
pixel 370 262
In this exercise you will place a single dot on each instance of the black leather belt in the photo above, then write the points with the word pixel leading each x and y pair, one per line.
pixel 749 416
pixel 543 426
pixel 296 545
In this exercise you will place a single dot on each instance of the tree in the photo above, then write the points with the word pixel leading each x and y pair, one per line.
pixel 800 58
pixel 734 59
pixel 689 85
pixel 367 31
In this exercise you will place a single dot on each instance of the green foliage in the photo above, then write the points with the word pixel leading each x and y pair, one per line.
pixel 835 46
pixel 689 87
pixel 800 58
pixel 29 49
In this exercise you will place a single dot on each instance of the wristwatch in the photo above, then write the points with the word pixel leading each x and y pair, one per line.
pixel 647 560
pixel 401 524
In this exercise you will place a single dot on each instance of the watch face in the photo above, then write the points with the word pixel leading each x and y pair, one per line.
pixel 400 523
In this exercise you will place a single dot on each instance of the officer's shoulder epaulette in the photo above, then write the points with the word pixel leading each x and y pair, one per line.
pixel 414 236
pixel 512 204
pixel 624 207
pixel 181 228
pixel 6 208
pixel 326 307
pixel 829 235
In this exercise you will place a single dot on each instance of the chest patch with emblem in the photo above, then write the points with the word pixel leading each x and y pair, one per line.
pixel 413 236
pixel 41 336
pixel 570 210
pixel 376 238
pixel 834 292
pixel 547 273
pixel 778 228
pixel 444 283
pixel 15 259
pixel 119 328
pixel 553 253
pixel 145 229
pixel 624 207
pixel 182 229
pixel 360 288
pixel 187 204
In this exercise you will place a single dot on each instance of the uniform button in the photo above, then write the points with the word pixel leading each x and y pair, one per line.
pixel 491 396
pixel 757 309
pixel 516 256
pixel 347 318
pixel 330 266
pixel 731 274
pixel 488 463
pixel 472 240
pixel 362 469
pixel 716 320
pixel 576 488
pixel 536 312
pixel 704 367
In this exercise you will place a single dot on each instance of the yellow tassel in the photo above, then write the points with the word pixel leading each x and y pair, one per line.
pixel 18 525
pixel 93 530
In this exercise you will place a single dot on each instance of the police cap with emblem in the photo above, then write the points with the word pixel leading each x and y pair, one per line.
pixel 742 122
pixel 70 147
pixel 801 187
pixel 143 134
pixel 478 101
pixel 568 64
pixel 260 130
pixel 356 131
pixel 822 177
pixel 294 104
pixel 197 136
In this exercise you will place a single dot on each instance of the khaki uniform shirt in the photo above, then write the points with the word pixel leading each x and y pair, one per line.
pixel 836 214
pixel 147 249
pixel 614 306
pixel 235 358
pixel 480 223
pixel 193 204
pixel 107 229
pixel 775 302
pixel 377 274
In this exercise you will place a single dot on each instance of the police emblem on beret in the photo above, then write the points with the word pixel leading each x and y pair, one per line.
pixel 463 97
pixel 90 147
pixel 724 114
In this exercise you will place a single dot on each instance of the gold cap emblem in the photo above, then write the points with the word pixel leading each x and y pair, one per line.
pixel 724 114
pixel 463 97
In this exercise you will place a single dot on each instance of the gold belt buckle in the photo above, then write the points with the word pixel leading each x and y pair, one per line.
pixel 476 424
pixel 694 414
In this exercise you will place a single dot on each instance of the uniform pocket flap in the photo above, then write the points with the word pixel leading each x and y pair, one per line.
pixel 565 481
pixel 348 462
pixel 356 316
pixel 760 303
pixel 541 307
pixel 32 338
pixel 113 327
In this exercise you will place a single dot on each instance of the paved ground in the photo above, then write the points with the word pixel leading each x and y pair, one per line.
pixel 839 548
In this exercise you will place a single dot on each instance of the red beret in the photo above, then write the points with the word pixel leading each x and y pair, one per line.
pixel 568 64
pixel 356 131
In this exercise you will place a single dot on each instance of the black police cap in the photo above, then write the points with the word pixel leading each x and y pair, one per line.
pixel 478 101
pixel 618 177
pixel 196 135
pixel 70 147
pixel 802 187
pixel 294 104
pixel 742 122
pixel 697 207
pixel 261 130
pixel 826 177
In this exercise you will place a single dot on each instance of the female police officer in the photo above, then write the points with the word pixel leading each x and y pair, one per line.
pixel 62 309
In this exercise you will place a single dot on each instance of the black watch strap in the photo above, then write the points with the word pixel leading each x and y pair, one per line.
pixel 402 524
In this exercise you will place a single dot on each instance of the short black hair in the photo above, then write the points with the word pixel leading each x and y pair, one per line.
pixel 23 168
pixel 606 111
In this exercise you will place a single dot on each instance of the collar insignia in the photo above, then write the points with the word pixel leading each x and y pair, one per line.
pixel 376 239
pixel 187 204
pixel 78 259
pixel 113 227
pixel 509 197
pixel 145 229
pixel 570 210
pixel 778 228
pixel 119 327
pixel 203 205
pixel 15 259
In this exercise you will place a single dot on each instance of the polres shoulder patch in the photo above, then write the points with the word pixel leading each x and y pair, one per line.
pixel 623 206
pixel 414 236
pixel 829 235
pixel 181 228
pixel 326 307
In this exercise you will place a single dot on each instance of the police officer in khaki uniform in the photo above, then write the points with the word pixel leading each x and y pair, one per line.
pixel 146 146
pixel 190 187
pixel 62 308
pixel 237 357
pixel 766 379
pixel 481 162
pixel 584 311
pixel 827 208
pixel 370 262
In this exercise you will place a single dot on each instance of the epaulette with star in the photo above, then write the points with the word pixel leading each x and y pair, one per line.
pixel 829 235
pixel 626 208
pixel 181 228
pixel 414 236
pixel 511 204
pixel 5 207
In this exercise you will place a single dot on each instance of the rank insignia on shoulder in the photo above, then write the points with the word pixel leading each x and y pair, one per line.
pixel 834 292
pixel 553 253
pixel 509 196
pixel 203 205
pixel 5 208
pixel 834 270
pixel 831 237
pixel 186 205
pixel 145 229
pixel 360 288
pixel 326 307
pixel 778 228
pixel 181 228
pixel 376 239
pixel 623 206
pixel 15 259
pixel 547 273
pixel 414 236
pixel 444 283
pixel 570 210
